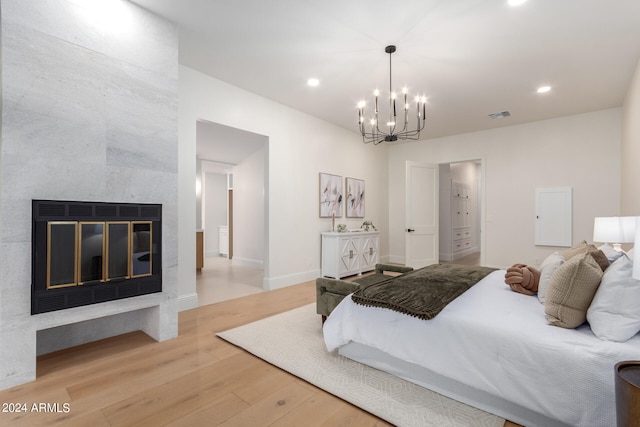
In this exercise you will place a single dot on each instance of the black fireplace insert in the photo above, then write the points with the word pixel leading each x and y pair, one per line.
pixel 91 252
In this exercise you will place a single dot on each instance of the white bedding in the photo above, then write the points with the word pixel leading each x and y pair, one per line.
pixel 498 341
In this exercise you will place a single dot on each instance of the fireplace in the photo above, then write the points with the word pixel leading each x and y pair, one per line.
pixel 91 252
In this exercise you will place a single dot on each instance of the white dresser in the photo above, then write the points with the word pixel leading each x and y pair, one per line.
pixel 349 253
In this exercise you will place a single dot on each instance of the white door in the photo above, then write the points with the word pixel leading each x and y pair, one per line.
pixel 421 201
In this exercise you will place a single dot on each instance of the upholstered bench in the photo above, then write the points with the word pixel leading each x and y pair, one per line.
pixel 329 292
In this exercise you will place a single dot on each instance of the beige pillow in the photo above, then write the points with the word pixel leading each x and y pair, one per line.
pixel 578 248
pixel 571 291
pixel 600 258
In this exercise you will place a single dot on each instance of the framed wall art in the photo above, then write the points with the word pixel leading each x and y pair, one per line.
pixel 331 197
pixel 355 198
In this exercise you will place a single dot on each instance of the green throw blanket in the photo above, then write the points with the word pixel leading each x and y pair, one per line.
pixel 422 293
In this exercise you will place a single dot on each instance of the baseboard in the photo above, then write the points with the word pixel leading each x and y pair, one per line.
pixel 446 257
pixel 187 302
pixel 273 283
pixel 247 262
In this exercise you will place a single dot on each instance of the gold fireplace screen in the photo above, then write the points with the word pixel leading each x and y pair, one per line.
pixel 93 251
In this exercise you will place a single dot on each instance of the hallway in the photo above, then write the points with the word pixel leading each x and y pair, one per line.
pixel 219 281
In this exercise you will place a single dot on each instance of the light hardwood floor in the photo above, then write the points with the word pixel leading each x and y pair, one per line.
pixel 196 379
pixel 473 259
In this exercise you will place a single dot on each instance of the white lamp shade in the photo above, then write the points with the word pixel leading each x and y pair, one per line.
pixel 614 229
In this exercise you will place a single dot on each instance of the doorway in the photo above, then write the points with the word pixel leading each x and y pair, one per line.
pixel 232 166
pixel 460 210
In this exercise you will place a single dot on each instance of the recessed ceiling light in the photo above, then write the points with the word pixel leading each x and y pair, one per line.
pixel 515 2
pixel 313 82
pixel 544 89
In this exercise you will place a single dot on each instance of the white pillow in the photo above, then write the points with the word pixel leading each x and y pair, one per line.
pixel 548 267
pixel 610 253
pixel 614 313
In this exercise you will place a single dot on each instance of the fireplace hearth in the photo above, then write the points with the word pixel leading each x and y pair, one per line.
pixel 91 252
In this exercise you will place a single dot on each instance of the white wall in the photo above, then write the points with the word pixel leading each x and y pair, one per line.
pixel 444 206
pixel 464 172
pixel 630 177
pixel 199 188
pixel 249 181
pixel 300 147
pixel 215 196
pixel 581 151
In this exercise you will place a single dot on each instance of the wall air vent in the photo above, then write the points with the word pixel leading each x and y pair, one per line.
pixel 500 115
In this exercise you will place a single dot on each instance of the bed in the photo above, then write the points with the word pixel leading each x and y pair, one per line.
pixel 493 349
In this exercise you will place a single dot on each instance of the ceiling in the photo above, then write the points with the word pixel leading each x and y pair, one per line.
pixel 225 145
pixel 470 58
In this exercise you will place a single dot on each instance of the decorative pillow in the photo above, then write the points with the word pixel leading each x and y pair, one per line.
pixel 571 291
pixel 578 248
pixel 614 313
pixel 548 267
pixel 600 258
pixel 522 278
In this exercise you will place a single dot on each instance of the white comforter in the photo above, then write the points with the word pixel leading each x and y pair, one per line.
pixel 498 341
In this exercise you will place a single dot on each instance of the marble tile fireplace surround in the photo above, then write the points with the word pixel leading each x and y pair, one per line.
pixel 89 112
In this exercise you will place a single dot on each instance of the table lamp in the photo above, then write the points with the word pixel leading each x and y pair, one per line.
pixel 614 230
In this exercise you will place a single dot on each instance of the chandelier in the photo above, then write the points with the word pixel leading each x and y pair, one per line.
pixel 391 130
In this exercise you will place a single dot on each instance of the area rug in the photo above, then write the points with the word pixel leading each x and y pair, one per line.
pixel 293 342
